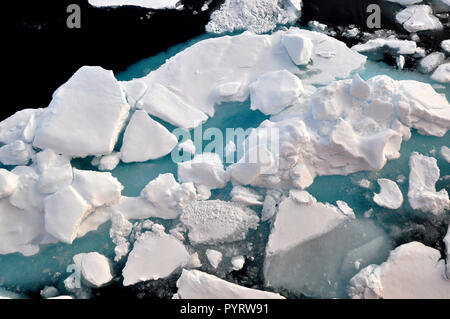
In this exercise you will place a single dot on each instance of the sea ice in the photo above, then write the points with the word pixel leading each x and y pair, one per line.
pixel 418 18
pixel 216 221
pixel 274 91
pixel 445 152
pixel 85 115
pixel 258 16
pixel 214 257
pixel 413 271
pixel 445 46
pixel 95 269
pixel 150 4
pixel 442 73
pixel 8 182
pixel 429 63
pixel 194 284
pixel 245 196
pixel 422 194
pixel 299 48
pixel 238 262
pixel 16 153
pixel 168 196
pixel 107 162
pixel 390 195
pixel 145 139
pixel 155 255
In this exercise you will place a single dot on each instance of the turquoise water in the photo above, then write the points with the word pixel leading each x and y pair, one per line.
pixel 49 266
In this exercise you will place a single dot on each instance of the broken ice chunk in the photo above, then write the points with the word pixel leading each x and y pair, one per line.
pixel 359 89
pixel 214 257
pixel 442 73
pixel 418 18
pixel 8 182
pixel 205 169
pixel 16 153
pixel 245 196
pixel 64 211
pixel 445 152
pixel 413 271
pixel 85 115
pixel 95 269
pixel 168 196
pixel 238 262
pixel 55 178
pixel 107 162
pixel 97 188
pixel 299 48
pixel 274 91
pixel 390 195
pixel 154 256
pixel 422 194
pixel 217 221
pixel 431 62
pixel 145 139
pixel 194 284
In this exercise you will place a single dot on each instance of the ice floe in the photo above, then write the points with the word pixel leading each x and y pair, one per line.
pixel 214 257
pixel 311 239
pixel 194 284
pixel 258 16
pixel 429 63
pixel 150 4
pixel 390 195
pixel 95 269
pixel 145 139
pixel 8 182
pixel 422 194
pixel 85 115
pixel 442 73
pixel 188 82
pixel 155 255
pixel 216 221
pixel 413 271
pixel 238 262
pixel 445 152
pixel 274 91
pixel 418 18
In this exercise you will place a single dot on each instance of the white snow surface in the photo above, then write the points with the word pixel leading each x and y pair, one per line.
pixel 413 271
pixel 422 194
pixel 194 284
pixel 258 16
pixel 150 4
pixel 390 195
pixel 155 255
pixel 85 115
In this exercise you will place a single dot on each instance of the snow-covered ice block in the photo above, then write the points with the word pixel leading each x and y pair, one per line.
pixel 214 257
pixel 194 284
pixel 394 46
pixel 168 196
pixel 26 196
pixel 205 169
pixel 258 16
pixel 85 115
pixel 184 89
pixel 413 271
pixel 299 48
pixel 389 196
pixel 95 269
pixel 150 4
pixel 431 62
pixel 216 221
pixel 187 147
pixel 310 240
pixel 445 46
pixel 50 159
pixel 418 18
pixel 8 182
pixel 97 188
pixel 154 256
pixel 64 212
pixel 422 194
pixel 445 153
pixel 442 73
pixel 19 126
pixel 274 91
pixel 245 196
pixel 359 89
pixel 16 153
pixel 161 102
pixel 19 229
pixel 107 162
pixel 134 91
pixel 55 178
pixel 145 139
pixel 238 262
